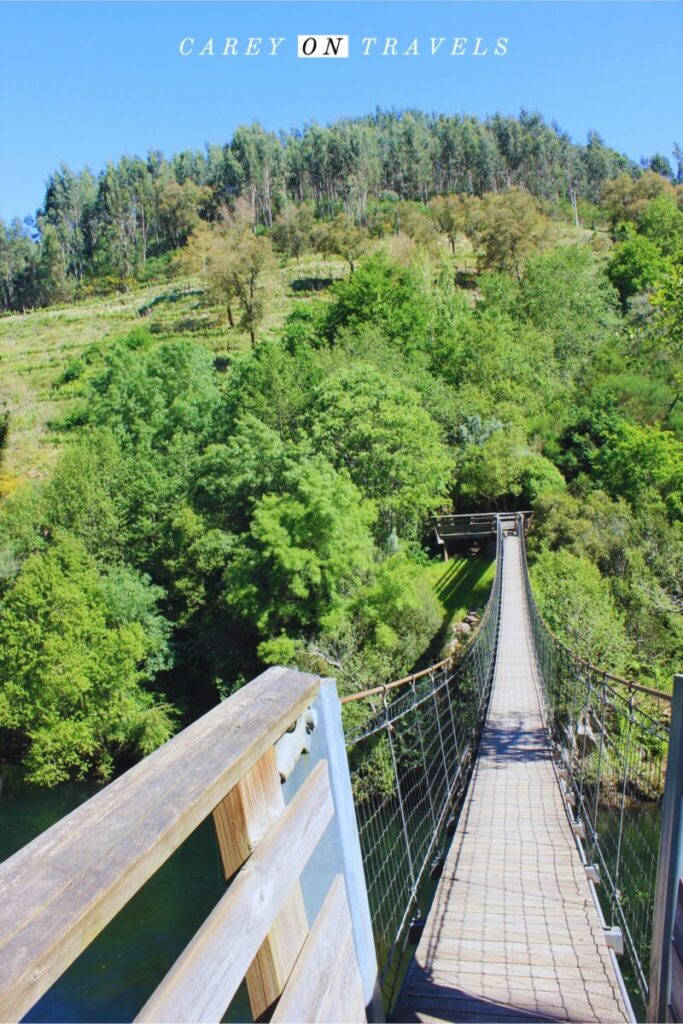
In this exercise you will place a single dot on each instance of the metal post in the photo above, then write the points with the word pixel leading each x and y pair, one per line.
pixel 354 875
pixel 669 866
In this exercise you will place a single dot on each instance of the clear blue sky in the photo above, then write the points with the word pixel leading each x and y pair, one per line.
pixel 86 82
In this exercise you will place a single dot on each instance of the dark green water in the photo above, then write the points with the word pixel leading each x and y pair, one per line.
pixel 112 979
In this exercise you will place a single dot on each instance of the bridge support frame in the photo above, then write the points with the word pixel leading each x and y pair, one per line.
pixel 669 869
pixel 331 729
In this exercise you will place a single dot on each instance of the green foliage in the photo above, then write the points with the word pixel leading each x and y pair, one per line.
pixel 503 469
pixel 391 297
pixel 75 646
pixel 635 265
pixel 662 222
pixel 637 460
pixel 273 385
pixel 639 555
pixel 307 550
pixel 577 604
pixel 149 394
pixel 270 505
pixel 507 229
pixel 565 294
pixel 378 432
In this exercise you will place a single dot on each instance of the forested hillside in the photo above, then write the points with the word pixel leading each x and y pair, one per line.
pixel 93 233
pixel 264 366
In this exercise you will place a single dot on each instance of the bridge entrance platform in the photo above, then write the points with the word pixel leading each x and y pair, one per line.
pixel 513 933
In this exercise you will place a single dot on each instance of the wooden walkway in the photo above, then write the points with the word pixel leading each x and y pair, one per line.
pixel 513 934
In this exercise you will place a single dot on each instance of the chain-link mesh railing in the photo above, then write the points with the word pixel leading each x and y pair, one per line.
pixel 411 745
pixel 611 738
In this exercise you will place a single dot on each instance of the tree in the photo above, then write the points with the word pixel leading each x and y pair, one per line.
pixel 235 264
pixel 662 222
pixel 635 265
pixel 626 197
pixel 508 228
pixel 638 459
pixel 17 266
pixel 291 233
pixel 377 430
pixel 308 550
pixel 566 294
pixel 76 647
pixel 503 470
pixel 387 626
pixel 666 332
pixel 147 394
pixel 342 238
pixel 577 604
pixel 659 164
pixel 451 216
pixel 51 281
pixel 179 209
pixel 274 385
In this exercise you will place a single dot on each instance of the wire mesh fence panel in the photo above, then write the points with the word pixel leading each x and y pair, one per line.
pixel 410 752
pixel 611 737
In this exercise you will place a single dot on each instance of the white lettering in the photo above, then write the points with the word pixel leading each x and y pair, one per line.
pixel 437 43
pixel 390 47
pixel 477 51
pixel 207 49
pixel 253 46
pixel 501 46
pixel 368 43
pixel 275 44
pixel 230 48
pixel 184 52
pixel 459 45
pixel 412 50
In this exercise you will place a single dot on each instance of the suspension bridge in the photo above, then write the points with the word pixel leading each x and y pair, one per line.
pixel 494 838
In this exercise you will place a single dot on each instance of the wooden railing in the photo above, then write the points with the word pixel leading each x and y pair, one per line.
pixel 59 892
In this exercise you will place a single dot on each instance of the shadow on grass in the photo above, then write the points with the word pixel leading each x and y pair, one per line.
pixel 464 584
pixel 311 284
pixel 174 296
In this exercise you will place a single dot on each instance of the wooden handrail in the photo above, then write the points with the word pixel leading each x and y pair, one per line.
pixel 204 979
pixel 59 892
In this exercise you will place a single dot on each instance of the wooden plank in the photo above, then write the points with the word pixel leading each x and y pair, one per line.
pixel 59 892
pixel 344 1000
pixel 309 985
pixel 206 976
pixel 242 819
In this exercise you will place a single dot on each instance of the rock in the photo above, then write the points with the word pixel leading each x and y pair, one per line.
pixel 463 627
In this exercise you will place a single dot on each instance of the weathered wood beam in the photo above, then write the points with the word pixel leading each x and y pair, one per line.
pixel 203 980
pixel 242 820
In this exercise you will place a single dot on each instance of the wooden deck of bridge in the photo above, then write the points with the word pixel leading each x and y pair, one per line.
pixel 513 933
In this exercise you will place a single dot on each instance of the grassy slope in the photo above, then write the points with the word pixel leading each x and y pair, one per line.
pixel 36 347
pixel 461 584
